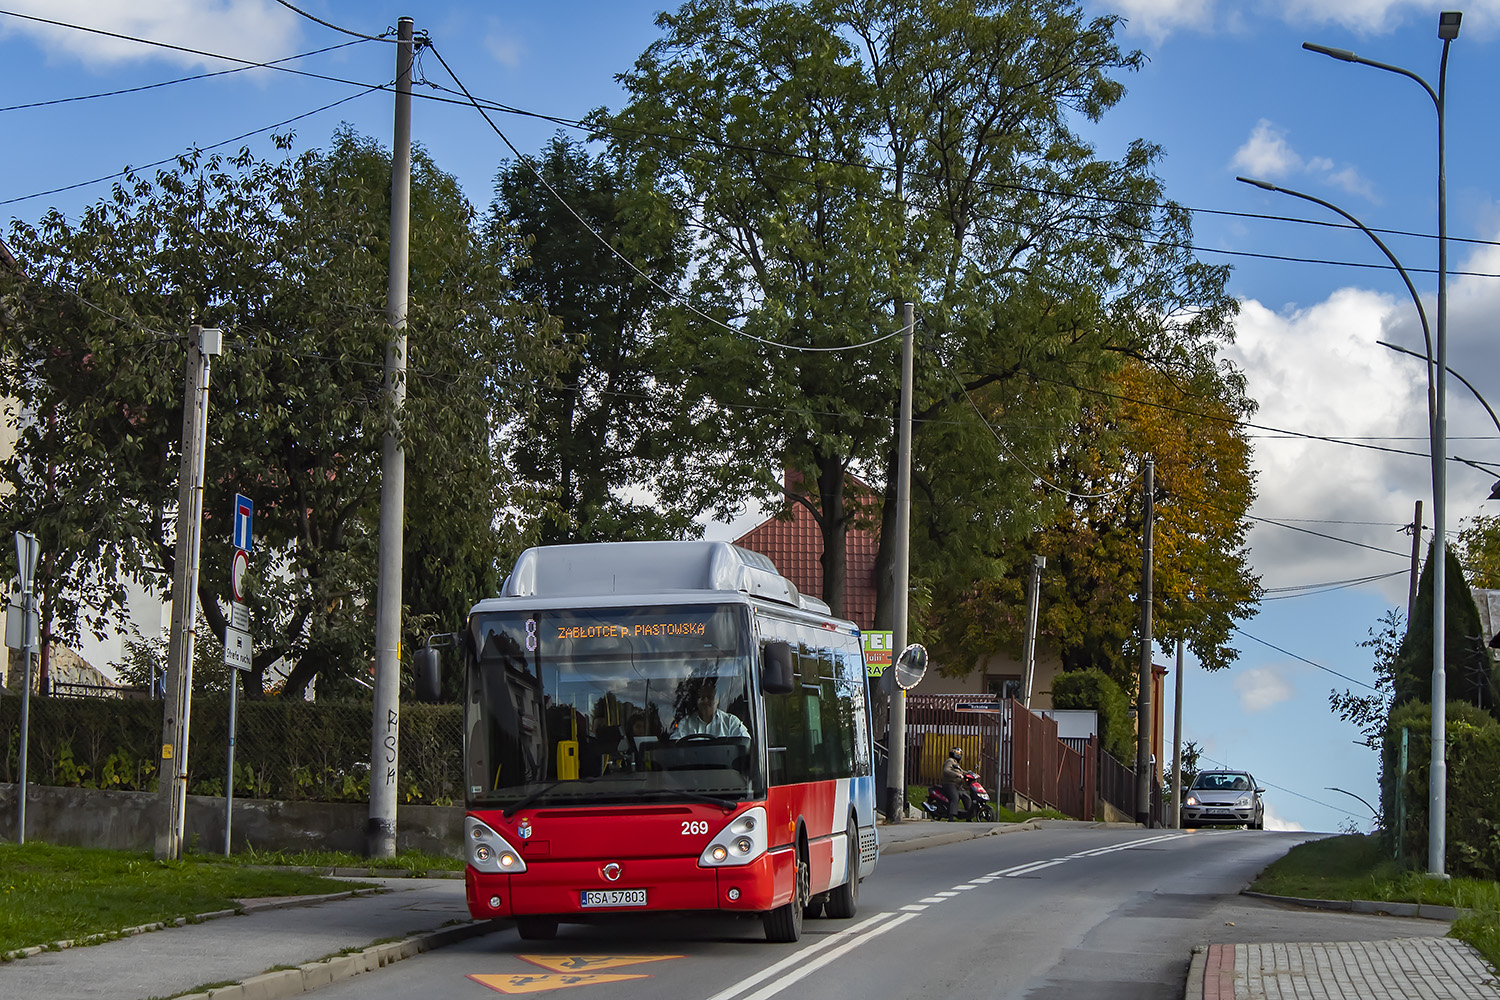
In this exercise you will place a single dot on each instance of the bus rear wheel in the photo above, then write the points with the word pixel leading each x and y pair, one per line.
pixel 536 928
pixel 784 924
pixel 844 899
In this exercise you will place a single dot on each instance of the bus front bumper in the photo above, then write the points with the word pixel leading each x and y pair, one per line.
pixel 556 888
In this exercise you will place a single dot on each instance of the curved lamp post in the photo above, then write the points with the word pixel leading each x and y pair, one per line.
pixel 1437 802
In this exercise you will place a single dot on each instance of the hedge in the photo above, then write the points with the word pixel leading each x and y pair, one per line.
pixel 1473 792
pixel 287 750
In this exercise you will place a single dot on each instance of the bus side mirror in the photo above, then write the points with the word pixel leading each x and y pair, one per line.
pixel 776 668
pixel 427 674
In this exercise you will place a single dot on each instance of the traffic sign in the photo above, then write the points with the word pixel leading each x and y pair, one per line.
pixel 237 566
pixel 26 552
pixel 238 652
pixel 244 510
pixel 239 616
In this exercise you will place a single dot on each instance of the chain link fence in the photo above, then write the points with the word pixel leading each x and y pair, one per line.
pixel 287 750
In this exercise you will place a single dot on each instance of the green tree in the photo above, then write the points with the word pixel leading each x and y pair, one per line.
pixel 1094 689
pixel 840 158
pixel 1370 712
pixel 1479 550
pixel 289 257
pixel 1469 673
pixel 595 446
pixel 1089 610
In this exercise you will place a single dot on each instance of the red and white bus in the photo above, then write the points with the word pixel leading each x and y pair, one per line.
pixel 663 727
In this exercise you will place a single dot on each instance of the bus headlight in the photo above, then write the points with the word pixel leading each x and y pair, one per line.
pixel 741 840
pixel 488 851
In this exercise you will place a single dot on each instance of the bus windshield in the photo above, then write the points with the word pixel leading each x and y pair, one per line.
pixel 574 705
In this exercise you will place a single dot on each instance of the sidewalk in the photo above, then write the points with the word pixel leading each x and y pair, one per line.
pixel 1426 968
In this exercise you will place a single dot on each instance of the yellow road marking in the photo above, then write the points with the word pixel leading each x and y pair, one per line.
pixel 591 963
pixel 539 982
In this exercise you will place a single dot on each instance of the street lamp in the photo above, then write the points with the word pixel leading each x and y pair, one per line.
pixel 1437 802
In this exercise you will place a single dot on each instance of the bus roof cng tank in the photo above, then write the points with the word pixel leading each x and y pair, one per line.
pixel 605 568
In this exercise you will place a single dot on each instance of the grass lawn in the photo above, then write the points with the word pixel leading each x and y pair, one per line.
pixel 50 893
pixel 1356 867
pixel 411 862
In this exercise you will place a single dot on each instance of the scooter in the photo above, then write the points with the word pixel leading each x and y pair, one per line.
pixel 973 806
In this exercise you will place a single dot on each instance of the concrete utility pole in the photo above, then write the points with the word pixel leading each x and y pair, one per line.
pixel 1143 696
pixel 1416 563
pixel 1033 600
pixel 895 801
pixel 1177 748
pixel 26 553
pixel 385 723
pixel 172 766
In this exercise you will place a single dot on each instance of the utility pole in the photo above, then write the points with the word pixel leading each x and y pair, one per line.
pixel 1177 747
pixel 172 766
pixel 1028 652
pixel 26 553
pixel 385 722
pixel 1143 696
pixel 895 801
pixel 1416 563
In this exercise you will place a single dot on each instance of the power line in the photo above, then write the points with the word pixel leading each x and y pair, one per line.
pixel 1303 659
pixel 627 261
pixel 170 159
pixel 384 37
pixel 169 83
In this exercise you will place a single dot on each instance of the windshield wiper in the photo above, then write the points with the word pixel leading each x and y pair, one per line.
pixel 728 805
pixel 511 810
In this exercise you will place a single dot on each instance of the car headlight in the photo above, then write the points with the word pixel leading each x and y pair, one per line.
pixel 1192 800
pixel 1243 802
pixel 743 839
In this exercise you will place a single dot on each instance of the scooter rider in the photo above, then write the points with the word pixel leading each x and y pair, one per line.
pixel 953 779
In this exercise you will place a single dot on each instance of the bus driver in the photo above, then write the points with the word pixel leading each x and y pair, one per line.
pixel 709 719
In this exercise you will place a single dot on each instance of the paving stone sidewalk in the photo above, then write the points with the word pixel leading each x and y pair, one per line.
pixel 1417 968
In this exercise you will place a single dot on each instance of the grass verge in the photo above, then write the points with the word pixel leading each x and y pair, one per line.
pixel 50 893
pixel 413 862
pixel 1356 867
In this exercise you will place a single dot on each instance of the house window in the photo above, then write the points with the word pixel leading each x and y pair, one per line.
pixel 1003 685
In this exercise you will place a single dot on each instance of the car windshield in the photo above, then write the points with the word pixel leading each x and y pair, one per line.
pixel 1213 782
pixel 616 704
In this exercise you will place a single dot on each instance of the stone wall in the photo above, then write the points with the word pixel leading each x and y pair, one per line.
pixel 85 817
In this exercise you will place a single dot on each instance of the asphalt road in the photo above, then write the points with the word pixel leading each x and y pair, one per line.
pixel 1046 915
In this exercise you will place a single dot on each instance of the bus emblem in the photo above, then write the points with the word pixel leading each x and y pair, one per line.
pixel 612 871
pixel 524 829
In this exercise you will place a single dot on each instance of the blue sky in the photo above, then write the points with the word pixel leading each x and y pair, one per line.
pixel 1227 90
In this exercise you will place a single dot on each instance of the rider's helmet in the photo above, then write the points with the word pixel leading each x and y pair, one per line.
pixel 957 753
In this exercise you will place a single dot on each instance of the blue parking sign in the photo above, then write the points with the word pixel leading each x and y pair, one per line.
pixel 244 510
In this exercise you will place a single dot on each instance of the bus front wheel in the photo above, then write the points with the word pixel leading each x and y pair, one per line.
pixel 784 924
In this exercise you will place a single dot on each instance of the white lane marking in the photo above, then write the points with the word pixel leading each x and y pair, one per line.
pixel 964 887
pixel 771 989
pixel 798 956
pixel 934 899
pixel 914 907
pixel 984 880
pixel 947 894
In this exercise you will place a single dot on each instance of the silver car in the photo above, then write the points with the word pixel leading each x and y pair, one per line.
pixel 1225 798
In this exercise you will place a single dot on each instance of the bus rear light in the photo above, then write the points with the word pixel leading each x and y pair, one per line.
pixel 741 840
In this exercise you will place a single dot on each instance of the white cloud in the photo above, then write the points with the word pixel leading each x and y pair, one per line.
pixel 1157 19
pixel 1275 822
pixel 246 29
pixel 503 46
pixel 1267 155
pixel 1261 688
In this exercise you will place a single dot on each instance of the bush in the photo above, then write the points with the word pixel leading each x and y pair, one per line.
pixel 1473 793
pixel 1093 688
pixel 286 750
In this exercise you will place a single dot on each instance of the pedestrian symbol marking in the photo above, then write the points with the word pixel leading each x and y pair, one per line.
pixel 591 963
pixel 540 982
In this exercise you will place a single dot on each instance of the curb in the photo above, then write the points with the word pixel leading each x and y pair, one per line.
pixel 951 836
pixel 1194 989
pixel 106 936
pixel 1424 911
pixel 284 983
